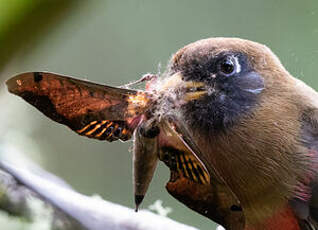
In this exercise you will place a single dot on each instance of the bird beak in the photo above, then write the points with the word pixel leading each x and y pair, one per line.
pixel 187 90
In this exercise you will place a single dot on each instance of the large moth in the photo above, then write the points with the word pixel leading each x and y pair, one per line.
pixel 152 117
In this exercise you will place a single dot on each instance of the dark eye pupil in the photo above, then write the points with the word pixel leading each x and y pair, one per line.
pixel 227 66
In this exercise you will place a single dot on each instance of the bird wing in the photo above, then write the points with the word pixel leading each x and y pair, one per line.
pixel 92 110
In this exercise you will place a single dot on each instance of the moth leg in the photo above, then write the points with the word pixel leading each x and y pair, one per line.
pixel 145 77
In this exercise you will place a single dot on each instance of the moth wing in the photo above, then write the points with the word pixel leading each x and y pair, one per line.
pixel 187 163
pixel 93 110
pixel 190 167
pixel 176 124
pixel 213 199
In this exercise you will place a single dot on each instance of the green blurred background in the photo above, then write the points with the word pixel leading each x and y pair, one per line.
pixel 114 42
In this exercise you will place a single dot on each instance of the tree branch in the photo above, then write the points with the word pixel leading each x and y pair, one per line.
pixel 72 209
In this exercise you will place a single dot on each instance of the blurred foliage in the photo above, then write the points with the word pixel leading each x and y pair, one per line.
pixel 41 219
pixel 115 42
pixel 23 22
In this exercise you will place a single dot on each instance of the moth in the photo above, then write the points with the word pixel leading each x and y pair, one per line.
pixel 152 117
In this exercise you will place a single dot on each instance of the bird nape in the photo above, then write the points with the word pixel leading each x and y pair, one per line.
pixel 237 131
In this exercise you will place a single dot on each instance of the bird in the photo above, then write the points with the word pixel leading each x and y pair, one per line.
pixel 238 132
pixel 257 126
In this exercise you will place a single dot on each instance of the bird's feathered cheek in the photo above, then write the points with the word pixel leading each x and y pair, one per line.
pixel 251 82
pixel 244 87
pixel 226 101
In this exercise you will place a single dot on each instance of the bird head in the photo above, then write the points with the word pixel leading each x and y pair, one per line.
pixel 232 74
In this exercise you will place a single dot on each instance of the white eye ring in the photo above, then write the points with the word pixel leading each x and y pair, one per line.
pixel 229 66
pixel 237 64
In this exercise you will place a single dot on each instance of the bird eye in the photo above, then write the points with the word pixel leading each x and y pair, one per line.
pixel 228 66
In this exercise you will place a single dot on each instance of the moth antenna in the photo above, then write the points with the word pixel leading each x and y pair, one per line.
pixel 145 77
